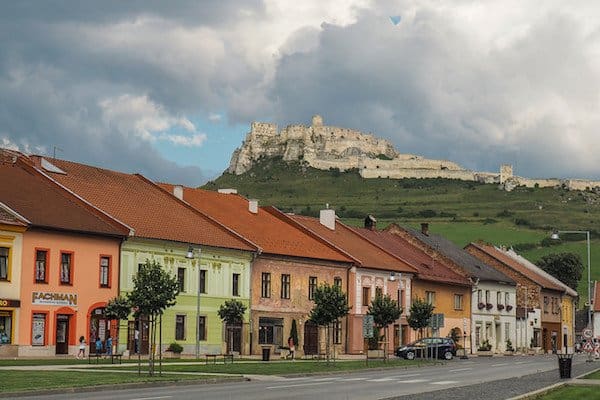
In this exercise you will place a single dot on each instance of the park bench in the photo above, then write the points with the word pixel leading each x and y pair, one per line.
pixel 214 357
pixel 97 356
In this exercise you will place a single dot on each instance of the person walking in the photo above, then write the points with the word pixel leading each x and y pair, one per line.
pixel 81 353
pixel 109 346
pixel 292 347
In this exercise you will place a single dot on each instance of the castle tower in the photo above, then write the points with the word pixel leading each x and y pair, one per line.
pixel 317 120
pixel 506 172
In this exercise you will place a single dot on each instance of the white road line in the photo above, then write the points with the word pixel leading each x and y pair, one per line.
pixel 324 379
pixel 300 384
pixel 355 379
pixel 499 365
pixel 444 383
pixel 152 398
pixel 381 380
pixel 461 369
pixel 404 376
pixel 413 381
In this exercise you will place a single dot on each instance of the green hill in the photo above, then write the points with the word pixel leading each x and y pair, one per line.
pixel 461 211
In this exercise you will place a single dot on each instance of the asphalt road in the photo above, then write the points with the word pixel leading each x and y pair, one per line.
pixel 468 376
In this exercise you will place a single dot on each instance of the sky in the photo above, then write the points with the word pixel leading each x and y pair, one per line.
pixel 169 89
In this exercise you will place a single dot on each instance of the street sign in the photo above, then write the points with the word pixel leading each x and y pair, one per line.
pixel 588 347
pixel 368 326
pixel 587 333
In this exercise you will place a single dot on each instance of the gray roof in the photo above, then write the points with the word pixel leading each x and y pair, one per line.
pixel 472 265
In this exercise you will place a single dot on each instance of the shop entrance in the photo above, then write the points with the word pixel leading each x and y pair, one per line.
pixel 234 338
pixel 311 338
pixel 138 340
pixel 62 334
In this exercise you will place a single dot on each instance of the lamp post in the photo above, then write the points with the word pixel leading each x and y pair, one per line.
pixel 190 256
pixel 555 236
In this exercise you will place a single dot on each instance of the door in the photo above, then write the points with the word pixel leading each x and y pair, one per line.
pixel 139 340
pixel 311 338
pixel 62 334
pixel 404 334
pixel 396 337
pixel 234 339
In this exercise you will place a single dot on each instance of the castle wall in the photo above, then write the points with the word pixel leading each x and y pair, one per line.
pixel 417 173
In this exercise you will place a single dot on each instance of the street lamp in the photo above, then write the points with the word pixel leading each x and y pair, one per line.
pixel 555 236
pixel 190 256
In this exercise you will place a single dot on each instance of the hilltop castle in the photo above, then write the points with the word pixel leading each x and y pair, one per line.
pixel 326 147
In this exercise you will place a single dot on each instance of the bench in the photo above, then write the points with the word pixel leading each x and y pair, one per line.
pixel 97 356
pixel 213 358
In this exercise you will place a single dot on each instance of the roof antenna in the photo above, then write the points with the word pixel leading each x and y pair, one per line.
pixel 54 151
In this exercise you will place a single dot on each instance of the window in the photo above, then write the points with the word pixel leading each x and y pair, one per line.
pixel 104 271
pixel 201 327
pixel 41 260
pixel 202 281
pixel 507 298
pixel 430 297
pixel 180 326
pixel 401 298
pixel 487 296
pixel 458 301
pixel 499 298
pixel 6 324
pixel 38 330
pixel 477 335
pixel 366 296
pixel 337 281
pixel 312 286
pixel 479 296
pixel 337 332
pixel 507 330
pixel 66 268
pixel 265 287
pixel 270 331
pixel 378 292
pixel 4 263
pixel 285 286
pixel 546 302
pixel 235 290
pixel 181 281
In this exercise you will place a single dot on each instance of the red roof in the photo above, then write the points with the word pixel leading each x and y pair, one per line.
pixel 516 266
pixel 144 206
pixel 368 254
pixel 270 233
pixel 45 204
pixel 428 268
pixel 596 296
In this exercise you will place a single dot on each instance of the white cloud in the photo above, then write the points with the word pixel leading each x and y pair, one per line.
pixel 195 140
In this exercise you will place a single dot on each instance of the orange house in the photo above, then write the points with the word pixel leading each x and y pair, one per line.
pixel 69 264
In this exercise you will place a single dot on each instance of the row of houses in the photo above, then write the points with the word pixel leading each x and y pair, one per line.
pixel 73 236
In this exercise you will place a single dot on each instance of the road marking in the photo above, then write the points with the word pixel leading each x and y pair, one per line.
pixel 324 379
pixel 499 365
pixel 300 384
pixel 152 398
pixel 461 369
pixel 382 380
pixel 444 383
pixel 522 362
pixel 413 381
pixel 355 379
pixel 404 376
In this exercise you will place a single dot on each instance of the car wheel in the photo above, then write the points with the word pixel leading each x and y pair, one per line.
pixel 410 355
pixel 448 355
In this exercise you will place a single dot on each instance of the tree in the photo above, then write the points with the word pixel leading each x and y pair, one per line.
pixel 231 313
pixel 566 267
pixel 420 315
pixel 154 290
pixel 331 304
pixel 385 311
pixel 294 332
pixel 118 308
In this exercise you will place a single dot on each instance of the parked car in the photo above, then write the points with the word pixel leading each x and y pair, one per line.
pixel 428 347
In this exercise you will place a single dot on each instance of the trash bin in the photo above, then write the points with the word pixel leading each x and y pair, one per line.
pixel 564 365
pixel 266 353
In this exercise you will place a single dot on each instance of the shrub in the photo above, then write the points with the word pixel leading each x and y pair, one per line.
pixel 505 213
pixel 427 213
pixel 509 346
pixel 175 348
pixel 485 346
pixel 489 221
pixel 522 222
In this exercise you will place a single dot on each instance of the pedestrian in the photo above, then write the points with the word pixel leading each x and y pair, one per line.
pixel 98 345
pixel 81 353
pixel 109 346
pixel 136 340
pixel 292 347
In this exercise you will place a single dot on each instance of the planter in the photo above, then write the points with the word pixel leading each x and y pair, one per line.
pixel 489 306
pixel 481 306
pixel 500 307
pixel 375 353
pixel 508 308
pixel 484 353
pixel 509 353
pixel 170 354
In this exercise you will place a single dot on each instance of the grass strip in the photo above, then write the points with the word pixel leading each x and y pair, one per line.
pixel 571 393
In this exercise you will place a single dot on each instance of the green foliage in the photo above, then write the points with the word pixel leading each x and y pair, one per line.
pixel 331 304
pixel 232 311
pixel 455 334
pixel 485 346
pixel 566 267
pixel 154 290
pixel 294 332
pixel 384 310
pixel 383 157
pixel 117 308
pixel 175 348
pixel 420 314
pixel 509 346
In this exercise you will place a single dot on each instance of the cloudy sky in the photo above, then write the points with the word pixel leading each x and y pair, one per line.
pixel 169 89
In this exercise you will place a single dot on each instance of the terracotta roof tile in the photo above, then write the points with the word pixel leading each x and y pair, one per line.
pixel 428 268
pixel 359 247
pixel 516 266
pixel 147 208
pixel 273 235
pixel 596 296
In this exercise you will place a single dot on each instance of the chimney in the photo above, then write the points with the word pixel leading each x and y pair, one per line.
pixel 327 218
pixel 253 206
pixel 178 191
pixel 425 228
pixel 370 222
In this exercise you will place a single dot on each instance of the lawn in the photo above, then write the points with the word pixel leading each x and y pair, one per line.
pixel 19 381
pixel 572 393
pixel 594 375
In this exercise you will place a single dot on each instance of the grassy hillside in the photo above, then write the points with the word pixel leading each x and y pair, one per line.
pixel 461 211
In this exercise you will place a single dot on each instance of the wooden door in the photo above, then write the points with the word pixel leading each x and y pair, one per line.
pixel 234 339
pixel 311 338
pixel 143 341
pixel 62 334
pixel 396 343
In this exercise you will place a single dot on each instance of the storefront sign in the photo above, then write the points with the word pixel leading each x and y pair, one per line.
pixel 10 303
pixel 55 299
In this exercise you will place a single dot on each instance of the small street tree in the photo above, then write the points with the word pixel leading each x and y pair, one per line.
pixel 566 267
pixel 331 304
pixel 385 311
pixel 294 332
pixel 231 313
pixel 420 315
pixel 154 290
pixel 117 309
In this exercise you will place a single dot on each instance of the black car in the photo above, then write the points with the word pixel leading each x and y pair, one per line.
pixel 428 347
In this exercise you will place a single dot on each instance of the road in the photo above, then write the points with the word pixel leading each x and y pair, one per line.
pixel 363 385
